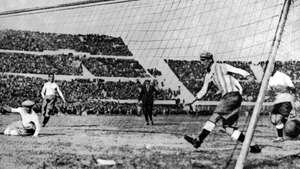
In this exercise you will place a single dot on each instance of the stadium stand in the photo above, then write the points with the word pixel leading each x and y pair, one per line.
pixel 114 67
pixel 39 41
pixel 40 64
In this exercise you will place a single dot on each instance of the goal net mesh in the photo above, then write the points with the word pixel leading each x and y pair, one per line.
pixel 174 29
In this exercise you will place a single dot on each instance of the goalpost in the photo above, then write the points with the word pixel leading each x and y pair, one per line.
pixel 256 111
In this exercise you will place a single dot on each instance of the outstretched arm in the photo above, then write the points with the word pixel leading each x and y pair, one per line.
pixel 257 71
pixel 235 70
pixel 10 109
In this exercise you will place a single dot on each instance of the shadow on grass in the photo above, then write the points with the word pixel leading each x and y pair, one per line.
pixel 51 134
pixel 166 124
pixel 83 125
pixel 42 134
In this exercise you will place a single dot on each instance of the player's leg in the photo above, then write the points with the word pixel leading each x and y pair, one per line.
pixel 209 125
pixel 49 109
pixel 230 129
pixel 233 106
pixel 44 112
pixel 14 129
pixel 229 102
pixel 29 131
pixel 44 104
pixel 207 128
pixel 145 111
pixel 279 117
pixel 150 112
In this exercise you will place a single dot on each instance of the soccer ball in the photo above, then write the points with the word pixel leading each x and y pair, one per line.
pixel 292 128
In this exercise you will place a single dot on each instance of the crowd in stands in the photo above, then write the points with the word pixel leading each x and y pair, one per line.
pixel 114 67
pixel 81 89
pixel 68 64
pixel 94 44
pixel 154 72
pixel 40 64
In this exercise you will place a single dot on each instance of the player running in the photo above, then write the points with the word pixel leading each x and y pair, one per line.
pixel 228 108
pixel 49 98
pixel 29 124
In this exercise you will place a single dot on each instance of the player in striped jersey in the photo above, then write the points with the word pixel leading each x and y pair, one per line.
pixel 228 108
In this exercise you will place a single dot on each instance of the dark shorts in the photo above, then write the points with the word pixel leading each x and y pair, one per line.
pixel 227 109
pixel 281 112
pixel 282 108
pixel 228 103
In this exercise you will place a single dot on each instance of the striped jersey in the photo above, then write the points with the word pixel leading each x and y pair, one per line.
pixel 220 75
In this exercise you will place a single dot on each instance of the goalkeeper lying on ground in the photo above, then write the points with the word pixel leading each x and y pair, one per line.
pixel 29 124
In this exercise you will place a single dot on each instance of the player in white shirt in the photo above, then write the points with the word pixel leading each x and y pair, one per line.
pixel 49 98
pixel 284 104
pixel 29 124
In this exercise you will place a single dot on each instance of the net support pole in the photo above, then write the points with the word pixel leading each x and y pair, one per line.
pixel 256 111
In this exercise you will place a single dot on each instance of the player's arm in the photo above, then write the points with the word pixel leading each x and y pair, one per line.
pixel 43 92
pixel 238 86
pixel 60 94
pixel 258 71
pixel 204 88
pixel 10 109
pixel 141 94
pixel 235 70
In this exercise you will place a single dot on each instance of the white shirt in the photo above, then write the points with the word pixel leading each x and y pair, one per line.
pixel 281 81
pixel 26 117
pixel 49 88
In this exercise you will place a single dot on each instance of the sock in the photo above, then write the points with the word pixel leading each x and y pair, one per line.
pixel 207 128
pixel 46 119
pixel 280 132
pixel 235 134
pixel 203 135
pixel 241 137
pixel 279 128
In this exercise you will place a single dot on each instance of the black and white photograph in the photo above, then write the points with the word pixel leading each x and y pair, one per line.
pixel 150 84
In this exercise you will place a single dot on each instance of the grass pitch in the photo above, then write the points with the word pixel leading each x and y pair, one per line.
pixel 75 141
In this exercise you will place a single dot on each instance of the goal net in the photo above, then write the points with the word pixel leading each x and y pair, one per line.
pixel 176 29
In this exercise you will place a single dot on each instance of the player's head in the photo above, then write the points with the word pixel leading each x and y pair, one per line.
pixel 51 77
pixel 28 104
pixel 147 82
pixel 207 59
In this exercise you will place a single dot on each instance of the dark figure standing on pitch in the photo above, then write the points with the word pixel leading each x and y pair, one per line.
pixel 49 98
pixel 227 111
pixel 147 94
